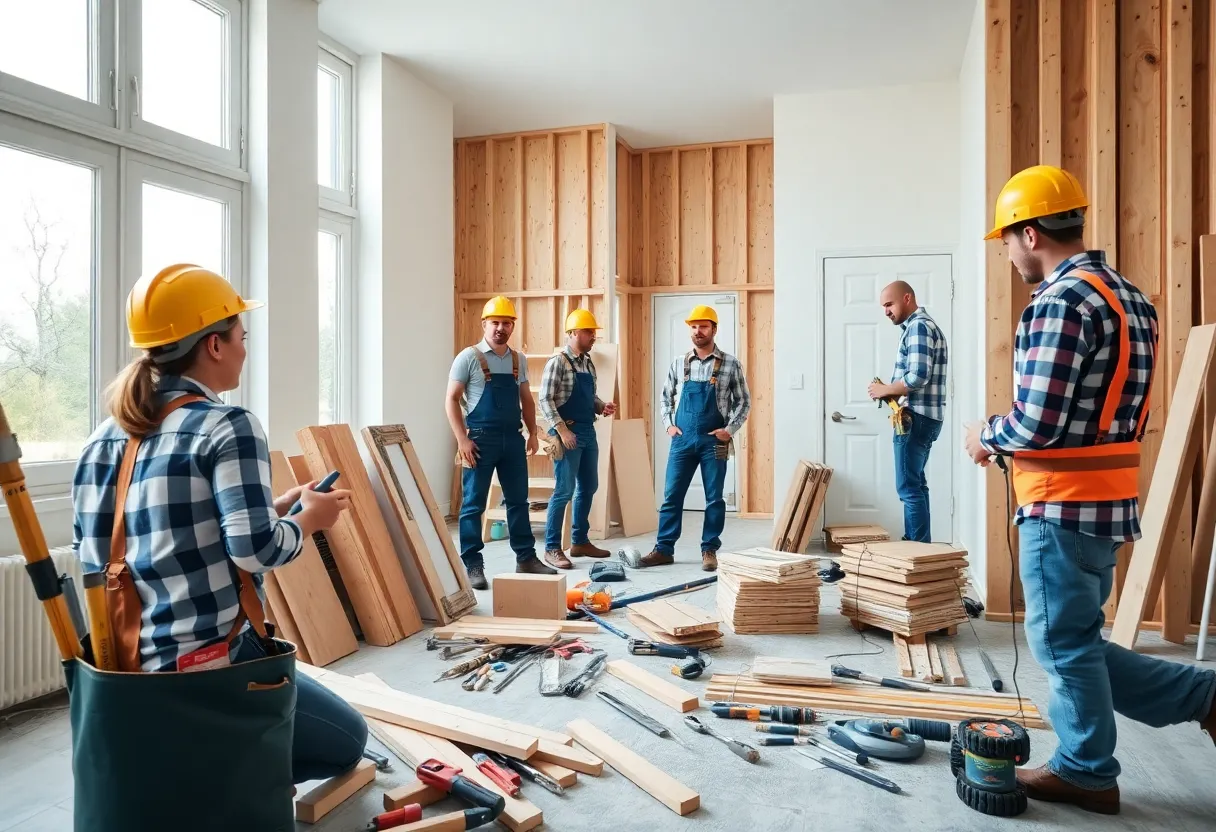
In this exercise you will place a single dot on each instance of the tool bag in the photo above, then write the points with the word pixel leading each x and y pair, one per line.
pixel 206 749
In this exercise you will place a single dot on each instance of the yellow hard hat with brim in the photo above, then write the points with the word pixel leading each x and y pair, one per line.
pixel 179 302
pixel 702 313
pixel 581 319
pixel 1038 191
pixel 499 307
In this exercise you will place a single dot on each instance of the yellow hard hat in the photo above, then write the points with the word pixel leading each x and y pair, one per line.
pixel 702 313
pixel 498 307
pixel 178 302
pixel 1038 191
pixel 581 319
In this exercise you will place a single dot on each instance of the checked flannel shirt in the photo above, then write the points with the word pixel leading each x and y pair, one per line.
pixel 921 365
pixel 1065 353
pixel 733 398
pixel 199 503
pixel 557 384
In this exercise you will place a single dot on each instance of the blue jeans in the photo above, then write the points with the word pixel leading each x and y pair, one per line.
pixel 329 735
pixel 911 456
pixel 507 454
pixel 688 452
pixel 578 475
pixel 1066 578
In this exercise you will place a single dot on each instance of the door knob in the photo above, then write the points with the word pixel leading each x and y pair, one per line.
pixel 836 417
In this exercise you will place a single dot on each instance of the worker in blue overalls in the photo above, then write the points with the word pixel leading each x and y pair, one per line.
pixel 487 399
pixel 713 404
pixel 569 405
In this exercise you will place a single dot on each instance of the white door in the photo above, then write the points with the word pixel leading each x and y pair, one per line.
pixel 857 431
pixel 672 341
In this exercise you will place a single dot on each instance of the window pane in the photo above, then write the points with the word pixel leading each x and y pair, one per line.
pixel 46 321
pixel 182 86
pixel 329 118
pixel 328 250
pixel 47 42
pixel 181 228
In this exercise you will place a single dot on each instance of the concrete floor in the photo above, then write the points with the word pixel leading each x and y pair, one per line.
pixel 1169 780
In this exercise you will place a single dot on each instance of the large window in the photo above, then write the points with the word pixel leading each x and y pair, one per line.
pixel 335 128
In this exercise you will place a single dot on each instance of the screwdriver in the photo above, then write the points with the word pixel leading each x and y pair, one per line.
pixel 864 776
pixel 788 714
pixel 742 749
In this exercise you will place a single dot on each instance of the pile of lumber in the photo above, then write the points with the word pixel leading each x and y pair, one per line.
pixel 513 630
pixel 764 591
pixel 946 704
pixel 837 537
pixel 777 671
pixel 676 622
pixel 902 586
pixel 803 502
pixel 929 660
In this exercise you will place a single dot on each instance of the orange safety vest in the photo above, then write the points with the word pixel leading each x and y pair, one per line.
pixel 1104 471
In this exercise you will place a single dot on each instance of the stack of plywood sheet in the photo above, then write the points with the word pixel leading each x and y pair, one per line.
pixel 905 587
pixel 765 591
pixel 676 622
pixel 360 541
pixel 837 537
pixel 803 502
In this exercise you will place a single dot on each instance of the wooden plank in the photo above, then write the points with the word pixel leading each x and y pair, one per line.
pixel 1201 544
pixel 902 655
pixel 388 705
pixel 678 617
pixel 634 479
pixel 922 669
pixel 791 671
pixel 572 757
pixel 565 777
pixel 1051 110
pixel 1177 38
pixel 414 791
pixel 952 666
pixel 670 695
pixel 279 614
pixel 326 796
pixel 1170 478
pixel 654 781
pixel 568 626
pixel 451 822
pixel 935 662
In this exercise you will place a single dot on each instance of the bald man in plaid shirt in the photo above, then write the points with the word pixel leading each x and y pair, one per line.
pixel 1087 336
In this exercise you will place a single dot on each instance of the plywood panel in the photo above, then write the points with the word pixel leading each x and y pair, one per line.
pixel 758 364
pixel 636 206
pixel 1074 90
pixel 1140 144
pixel 696 217
pixel 598 228
pixel 538 215
pixel 571 212
pixel 660 254
pixel 730 214
pixel 760 214
pixel 476 218
pixel 624 203
pixel 505 263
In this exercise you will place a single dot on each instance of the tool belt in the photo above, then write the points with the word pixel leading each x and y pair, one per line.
pixel 1104 471
pixel 901 416
pixel 554 447
pixel 227 730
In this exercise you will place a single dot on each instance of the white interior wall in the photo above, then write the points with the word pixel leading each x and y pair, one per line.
pixel 968 347
pixel 866 171
pixel 406 263
pixel 284 387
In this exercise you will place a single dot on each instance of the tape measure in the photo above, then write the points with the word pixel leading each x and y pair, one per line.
pixel 689 668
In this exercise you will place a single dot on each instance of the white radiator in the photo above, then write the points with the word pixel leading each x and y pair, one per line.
pixel 29 658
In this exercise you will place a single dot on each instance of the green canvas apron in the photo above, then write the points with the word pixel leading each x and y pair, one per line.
pixel 206 750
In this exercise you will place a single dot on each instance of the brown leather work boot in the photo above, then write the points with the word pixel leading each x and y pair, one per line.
pixel 1041 784
pixel 1209 724
pixel 533 566
pixel 709 561
pixel 656 558
pixel 587 550
pixel 556 557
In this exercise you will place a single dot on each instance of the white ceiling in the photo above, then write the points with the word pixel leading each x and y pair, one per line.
pixel 663 71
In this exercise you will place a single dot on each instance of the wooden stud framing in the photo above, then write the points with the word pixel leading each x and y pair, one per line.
pixel 1103 119
pixel 1051 111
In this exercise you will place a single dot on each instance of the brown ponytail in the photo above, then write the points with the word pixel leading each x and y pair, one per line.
pixel 132 397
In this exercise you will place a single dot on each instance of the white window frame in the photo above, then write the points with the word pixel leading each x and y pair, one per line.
pixel 105 355
pixel 102 106
pixel 139 168
pixel 343 227
pixel 332 59
pixel 230 153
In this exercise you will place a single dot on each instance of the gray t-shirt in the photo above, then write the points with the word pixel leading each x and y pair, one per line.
pixel 467 370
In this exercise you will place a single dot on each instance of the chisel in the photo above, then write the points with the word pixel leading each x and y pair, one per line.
pixel 863 776
pixel 649 723
pixel 886 682
pixel 534 774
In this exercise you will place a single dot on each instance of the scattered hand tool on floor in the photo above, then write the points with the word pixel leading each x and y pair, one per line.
pixel 690 668
pixel 741 749
pixel 551 674
pixel 382 763
pixel 789 714
pixel 499 775
pixel 534 774
pixel 575 687
pixel 471 664
pixel 783 730
pixel 648 722
pixel 859 759
pixel 410 813
pixel 522 665
pixel 889 739
pixel 608 572
pixel 646 596
pixel 486 804
pixel 885 681
pixel 862 775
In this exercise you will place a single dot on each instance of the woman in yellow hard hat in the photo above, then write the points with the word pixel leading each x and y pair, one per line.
pixel 173 505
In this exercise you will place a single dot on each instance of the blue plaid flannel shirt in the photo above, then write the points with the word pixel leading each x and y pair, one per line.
pixel 921 365
pixel 1064 362
pixel 199 503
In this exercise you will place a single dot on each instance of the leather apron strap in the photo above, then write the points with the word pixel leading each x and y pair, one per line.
pixel 122 599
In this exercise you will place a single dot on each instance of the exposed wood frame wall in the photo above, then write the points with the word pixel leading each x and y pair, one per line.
pixel 699 219
pixel 1121 94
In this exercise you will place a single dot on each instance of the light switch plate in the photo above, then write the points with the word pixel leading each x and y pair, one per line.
pixel 796 381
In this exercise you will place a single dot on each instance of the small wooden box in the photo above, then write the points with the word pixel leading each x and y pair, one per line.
pixel 530 596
